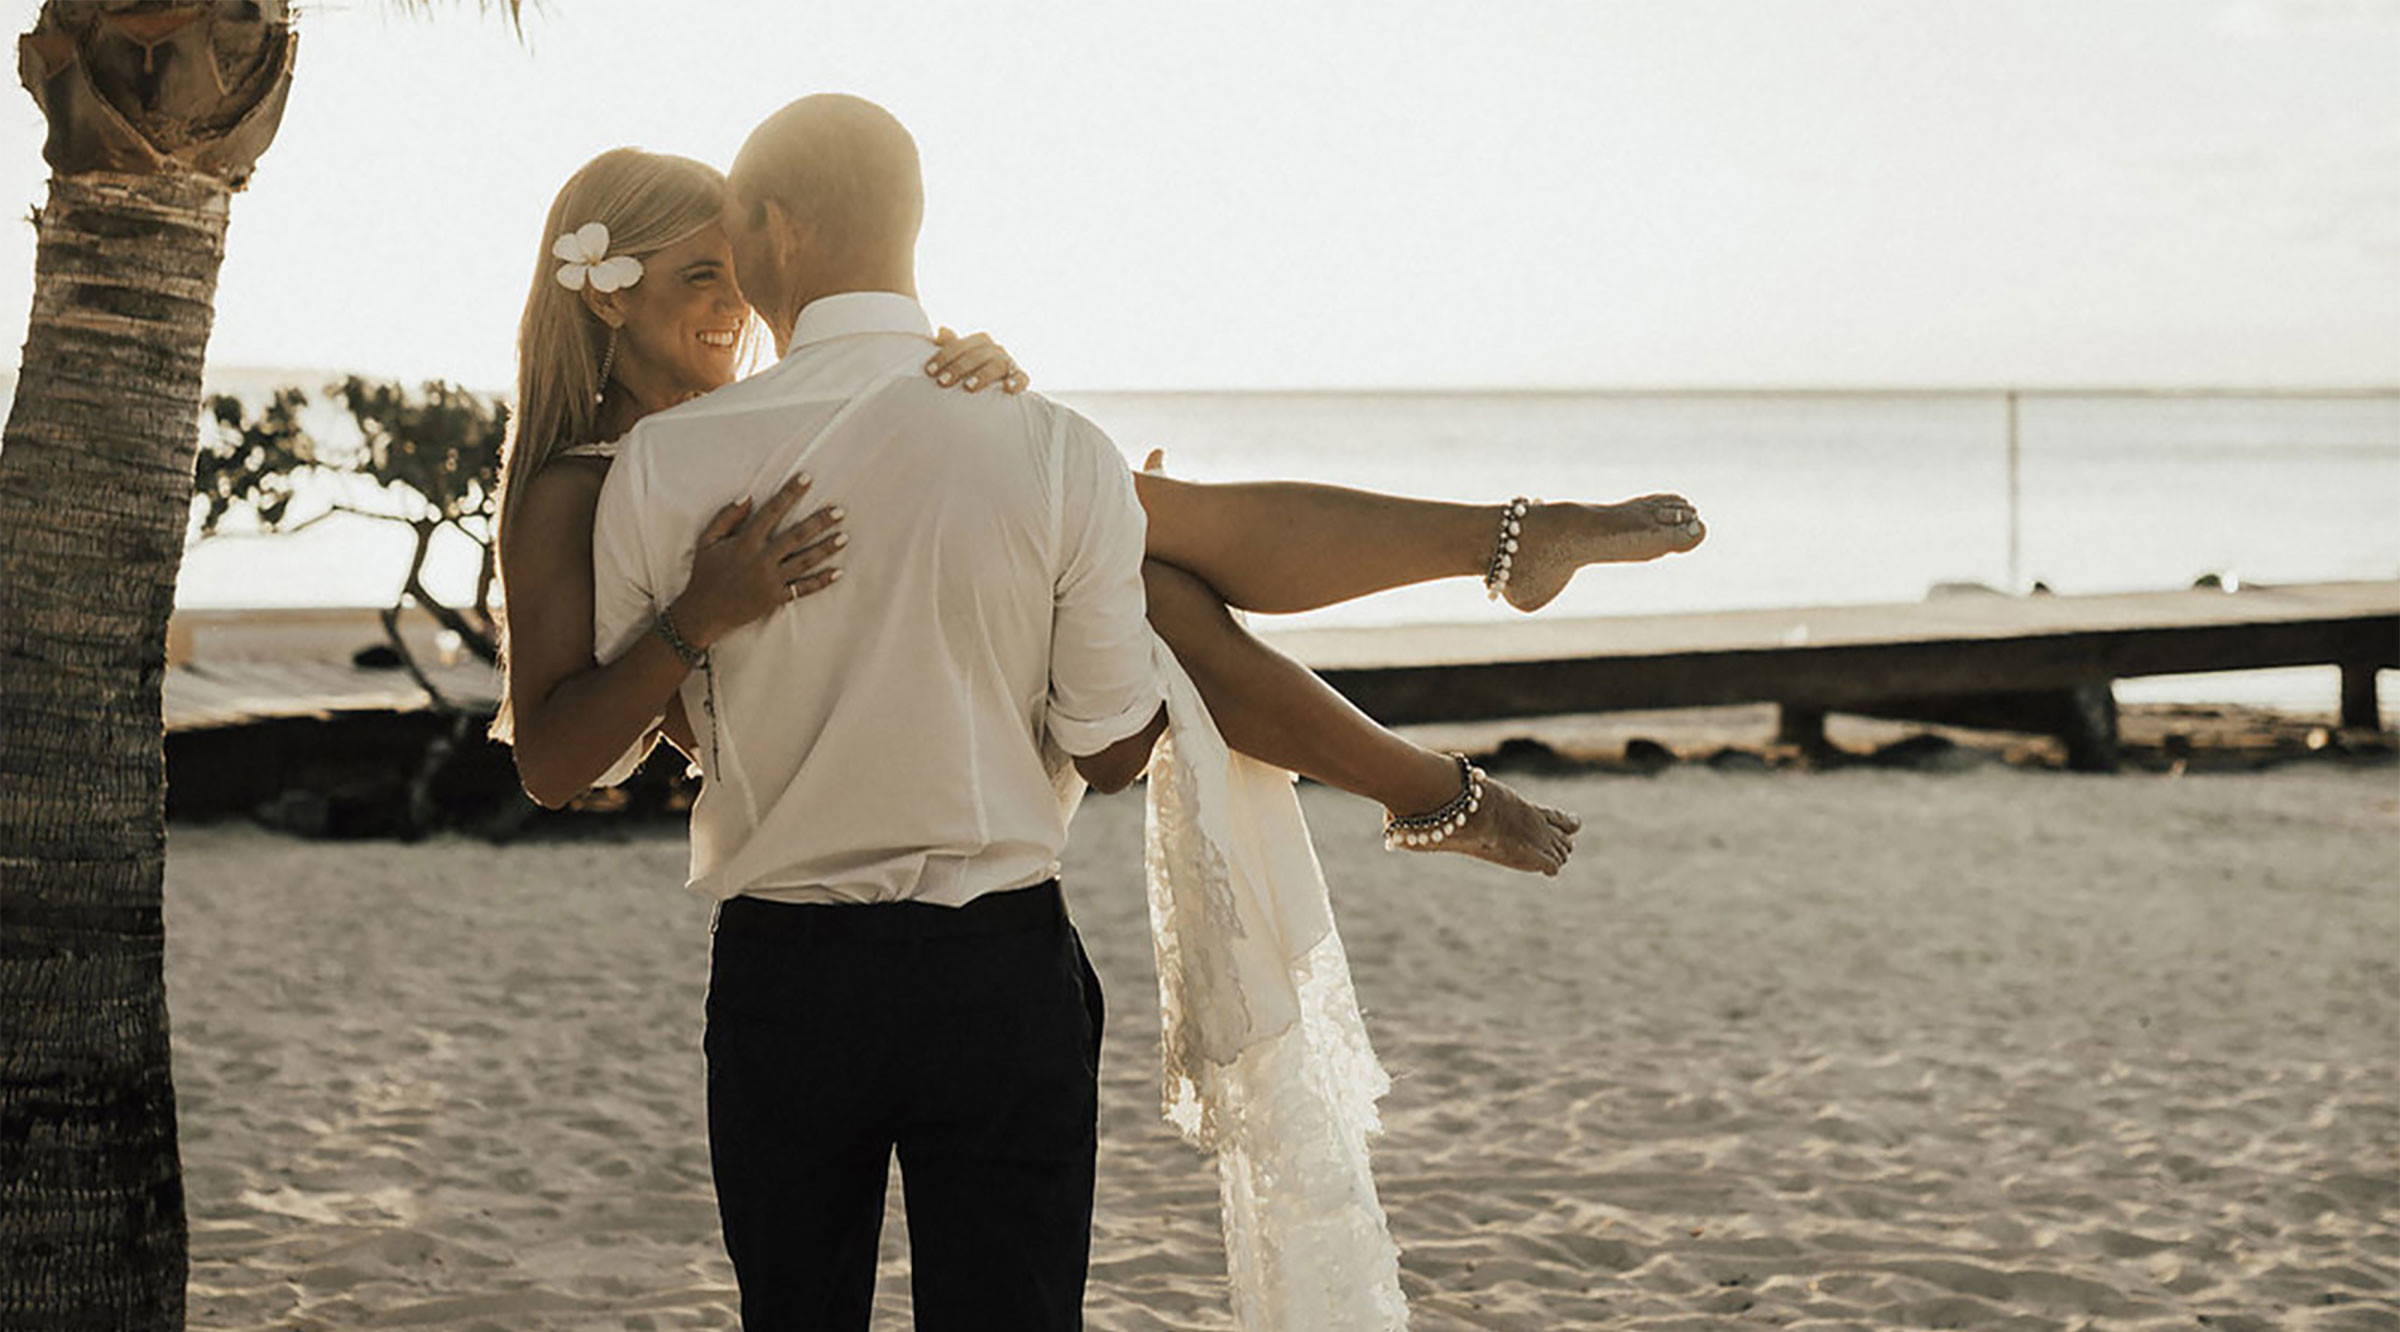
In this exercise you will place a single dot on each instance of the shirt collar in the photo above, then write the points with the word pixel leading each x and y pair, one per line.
pixel 849 312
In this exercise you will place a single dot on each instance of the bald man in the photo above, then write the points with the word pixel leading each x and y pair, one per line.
pixel 888 792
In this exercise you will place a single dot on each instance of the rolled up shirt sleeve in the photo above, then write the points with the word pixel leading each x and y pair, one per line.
pixel 1103 685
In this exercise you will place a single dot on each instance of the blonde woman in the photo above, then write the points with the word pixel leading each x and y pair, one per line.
pixel 642 311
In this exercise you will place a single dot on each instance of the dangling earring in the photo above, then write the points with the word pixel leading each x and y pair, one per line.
pixel 608 362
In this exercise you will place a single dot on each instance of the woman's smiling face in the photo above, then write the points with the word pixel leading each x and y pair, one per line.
pixel 684 318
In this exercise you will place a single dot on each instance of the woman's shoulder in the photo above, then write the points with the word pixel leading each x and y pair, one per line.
pixel 569 474
pixel 576 467
pixel 560 499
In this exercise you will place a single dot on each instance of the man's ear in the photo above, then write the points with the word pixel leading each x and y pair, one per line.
pixel 786 234
pixel 606 306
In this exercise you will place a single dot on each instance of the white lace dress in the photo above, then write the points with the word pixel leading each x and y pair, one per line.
pixel 1266 1064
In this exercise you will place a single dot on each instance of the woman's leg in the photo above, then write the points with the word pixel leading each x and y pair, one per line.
pixel 1282 546
pixel 1277 711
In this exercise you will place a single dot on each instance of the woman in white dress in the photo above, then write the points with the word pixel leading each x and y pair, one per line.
pixel 655 317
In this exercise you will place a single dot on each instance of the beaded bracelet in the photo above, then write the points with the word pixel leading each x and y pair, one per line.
pixel 1504 551
pixel 1433 828
pixel 664 627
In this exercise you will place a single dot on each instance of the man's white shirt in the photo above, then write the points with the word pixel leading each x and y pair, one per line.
pixel 883 740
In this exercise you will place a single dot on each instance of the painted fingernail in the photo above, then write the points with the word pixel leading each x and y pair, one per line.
pixel 932 366
pixel 840 539
pixel 947 379
pixel 972 381
pixel 837 513
pixel 834 577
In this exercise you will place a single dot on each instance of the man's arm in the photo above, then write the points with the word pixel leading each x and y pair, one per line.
pixel 1114 768
pixel 1106 710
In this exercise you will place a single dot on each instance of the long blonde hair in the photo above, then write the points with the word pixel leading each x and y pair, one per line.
pixel 648 201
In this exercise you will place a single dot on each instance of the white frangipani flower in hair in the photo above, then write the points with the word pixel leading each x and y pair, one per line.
pixel 586 251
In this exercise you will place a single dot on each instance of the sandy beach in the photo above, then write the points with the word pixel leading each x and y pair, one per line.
pixel 2002 1048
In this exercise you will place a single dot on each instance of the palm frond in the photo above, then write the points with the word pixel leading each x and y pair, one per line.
pixel 513 10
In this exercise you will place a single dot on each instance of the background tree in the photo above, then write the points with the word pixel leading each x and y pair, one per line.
pixel 428 461
pixel 157 111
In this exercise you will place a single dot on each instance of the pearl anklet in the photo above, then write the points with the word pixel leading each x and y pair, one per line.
pixel 1504 551
pixel 1432 829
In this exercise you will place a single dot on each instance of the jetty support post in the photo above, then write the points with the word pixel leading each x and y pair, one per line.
pixel 1800 726
pixel 2088 727
pixel 2359 710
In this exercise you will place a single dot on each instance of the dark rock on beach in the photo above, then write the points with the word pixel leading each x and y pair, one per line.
pixel 1645 755
pixel 1929 752
pixel 1733 758
pixel 1524 754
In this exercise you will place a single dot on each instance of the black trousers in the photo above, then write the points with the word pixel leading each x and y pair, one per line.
pixel 967 1040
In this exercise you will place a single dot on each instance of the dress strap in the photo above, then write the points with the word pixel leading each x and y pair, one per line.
pixel 605 450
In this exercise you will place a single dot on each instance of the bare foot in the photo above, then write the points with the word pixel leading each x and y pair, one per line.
pixel 1512 832
pixel 1558 539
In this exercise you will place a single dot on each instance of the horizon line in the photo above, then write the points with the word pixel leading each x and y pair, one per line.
pixel 2334 389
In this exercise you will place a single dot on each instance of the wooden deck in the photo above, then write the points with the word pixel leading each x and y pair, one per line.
pixel 205 696
pixel 2039 663
pixel 2035 663
pixel 230 667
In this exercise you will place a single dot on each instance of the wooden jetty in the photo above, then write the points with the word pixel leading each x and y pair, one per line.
pixel 231 667
pixel 2041 664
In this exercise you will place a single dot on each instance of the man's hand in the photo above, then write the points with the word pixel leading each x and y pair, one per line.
pixel 1114 768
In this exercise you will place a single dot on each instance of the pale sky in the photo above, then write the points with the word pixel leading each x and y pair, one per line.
pixel 1492 193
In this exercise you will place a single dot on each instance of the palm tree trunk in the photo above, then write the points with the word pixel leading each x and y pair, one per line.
pixel 94 493
pixel 157 111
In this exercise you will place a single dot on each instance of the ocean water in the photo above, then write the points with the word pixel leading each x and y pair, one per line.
pixel 1811 498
